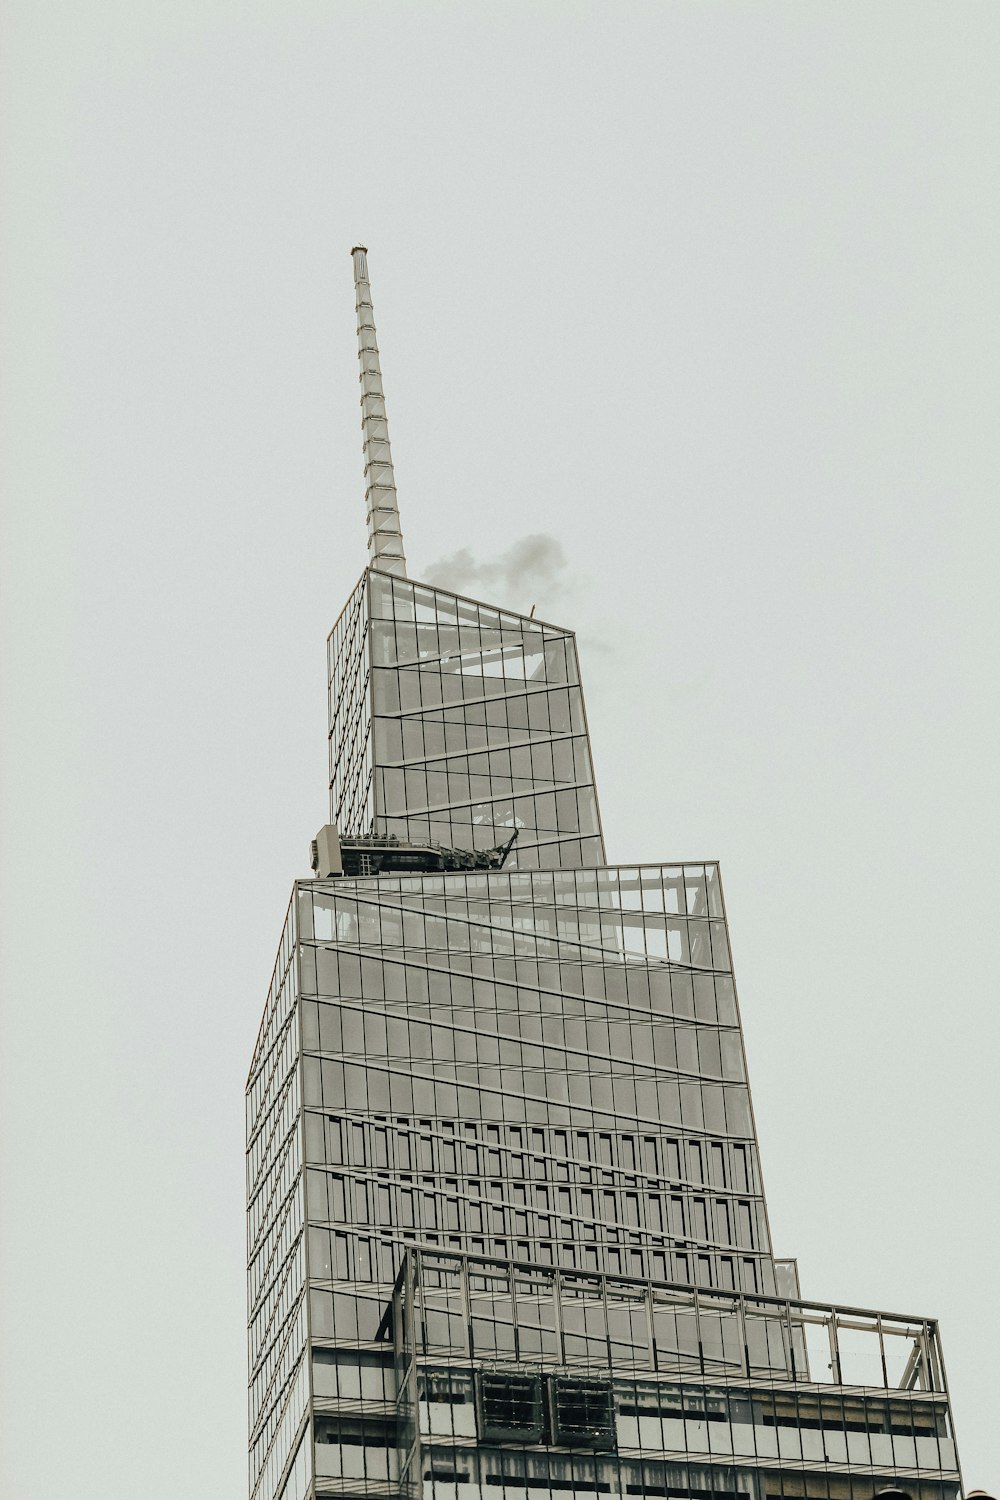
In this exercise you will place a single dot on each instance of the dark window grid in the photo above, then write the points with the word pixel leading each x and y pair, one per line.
pixel 551 1157
pixel 437 1095
pixel 638 1233
pixel 781 1407
pixel 675 1208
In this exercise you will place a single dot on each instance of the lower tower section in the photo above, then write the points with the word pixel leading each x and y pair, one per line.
pixel 507 1225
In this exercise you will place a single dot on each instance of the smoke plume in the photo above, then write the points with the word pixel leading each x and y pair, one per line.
pixel 530 571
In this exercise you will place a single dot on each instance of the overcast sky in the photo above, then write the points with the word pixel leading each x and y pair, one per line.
pixel 706 294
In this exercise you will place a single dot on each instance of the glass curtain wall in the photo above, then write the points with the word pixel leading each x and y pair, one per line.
pixel 477 727
pixel 276 1272
pixel 512 1064
pixel 507 1227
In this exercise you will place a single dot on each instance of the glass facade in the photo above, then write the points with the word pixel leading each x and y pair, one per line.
pixel 458 723
pixel 507 1227
pixel 512 1063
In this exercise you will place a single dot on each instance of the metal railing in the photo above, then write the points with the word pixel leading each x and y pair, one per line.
pixel 510 1312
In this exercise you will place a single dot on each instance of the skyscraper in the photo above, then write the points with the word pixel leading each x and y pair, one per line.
pixel 506 1222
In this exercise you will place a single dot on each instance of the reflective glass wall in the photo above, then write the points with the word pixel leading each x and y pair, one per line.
pixel 545 1064
pixel 477 727
pixel 348 671
pixel 280 1451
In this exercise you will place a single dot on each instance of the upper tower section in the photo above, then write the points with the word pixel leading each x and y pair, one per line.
pixel 451 721
pixel 458 723
pixel 385 539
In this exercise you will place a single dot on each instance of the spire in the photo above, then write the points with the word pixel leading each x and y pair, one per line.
pixel 385 540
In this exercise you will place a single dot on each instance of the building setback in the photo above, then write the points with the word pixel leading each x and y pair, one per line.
pixel 507 1233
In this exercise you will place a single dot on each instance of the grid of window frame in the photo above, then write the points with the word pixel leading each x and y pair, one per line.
pixel 429 1120
pixel 349 716
pixel 278 1395
pixel 474 723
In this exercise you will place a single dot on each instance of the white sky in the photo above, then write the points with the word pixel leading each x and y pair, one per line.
pixel 708 293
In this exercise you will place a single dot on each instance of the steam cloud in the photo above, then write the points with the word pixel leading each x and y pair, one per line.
pixel 530 570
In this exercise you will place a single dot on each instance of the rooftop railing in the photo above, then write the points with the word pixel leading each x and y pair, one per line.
pixel 463 1307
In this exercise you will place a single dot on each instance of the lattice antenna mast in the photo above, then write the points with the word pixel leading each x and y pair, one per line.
pixel 385 539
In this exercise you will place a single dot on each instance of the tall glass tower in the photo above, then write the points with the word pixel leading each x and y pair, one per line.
pixel 507 1233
